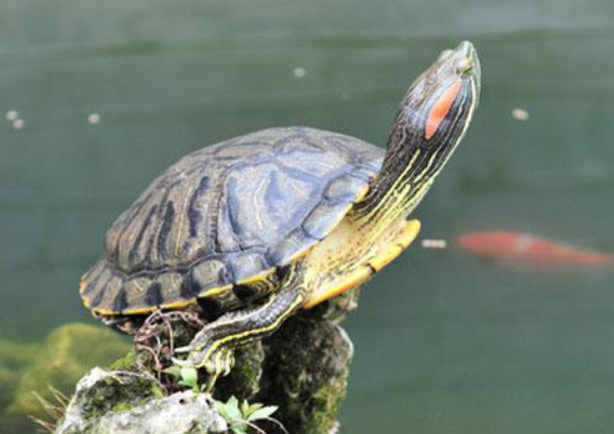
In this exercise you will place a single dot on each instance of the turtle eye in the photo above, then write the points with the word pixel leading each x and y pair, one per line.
pixel 440 109
pixel 464 67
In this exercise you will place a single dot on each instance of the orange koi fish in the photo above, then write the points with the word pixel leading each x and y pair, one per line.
pixel 520 247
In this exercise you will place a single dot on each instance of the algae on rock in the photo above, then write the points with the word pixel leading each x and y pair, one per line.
pixel 302 368
pixel 66 354
pixel 114 402
pixel 306 374
pixel 13 358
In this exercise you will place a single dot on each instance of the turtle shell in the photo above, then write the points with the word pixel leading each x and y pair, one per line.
pixel 227 214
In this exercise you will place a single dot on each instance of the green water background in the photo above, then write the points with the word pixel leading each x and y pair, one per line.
pixel 444 343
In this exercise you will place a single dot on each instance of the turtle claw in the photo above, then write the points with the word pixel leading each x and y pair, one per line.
pixel 185 349
pixel 218 364
pixel 181 363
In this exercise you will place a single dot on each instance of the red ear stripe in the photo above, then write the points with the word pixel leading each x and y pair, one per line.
pixel 441 108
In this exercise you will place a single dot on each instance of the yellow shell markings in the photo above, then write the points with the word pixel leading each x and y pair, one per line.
pixel 363 191
pixel 401 240
pixel 176 305
pixel 82 287
pixel 104 311
pixel 150 238
pixel 213 292
pixel 179 237
pixel 344 259
pixel 361 195
pixel 350 255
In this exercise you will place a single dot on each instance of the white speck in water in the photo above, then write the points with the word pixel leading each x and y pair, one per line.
pixel 12 115
pixel 520 114
pixel 93 118
pixel 300 72
pixel 18 124
pixel 434 243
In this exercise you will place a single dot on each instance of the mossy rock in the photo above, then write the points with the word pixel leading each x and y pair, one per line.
pixel 306 374
pixel 66 354
pixel 114 402
pixel 302 368
pixel 8 382
pixel 13 359
pixel 15 355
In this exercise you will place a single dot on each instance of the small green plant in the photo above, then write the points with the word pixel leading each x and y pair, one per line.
pixel 187 376
pixel 242 417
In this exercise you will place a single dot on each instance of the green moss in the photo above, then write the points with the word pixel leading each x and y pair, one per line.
pixel 306 372
pixel 14 355
pixel 302 369
pixel 119 392
pixel 244 379
pixel 125 363
pixel 8 381
pixel 121 407
pixel 13 359
pixel 66 354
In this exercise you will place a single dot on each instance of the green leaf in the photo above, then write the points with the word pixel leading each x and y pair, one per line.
pixel 221 408
pixel 174 371
pixel 262 413
pixel 239 429
pixel 189 378
pixel 233 401
pixel 232 409
pixel 247 409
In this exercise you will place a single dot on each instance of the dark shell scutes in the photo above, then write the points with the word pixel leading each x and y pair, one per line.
pixel 226 213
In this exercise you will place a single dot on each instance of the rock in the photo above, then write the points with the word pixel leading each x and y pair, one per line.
pixel 8 381
pixel 66 354
pixel 180 413
pixel 306 373
pixel 245 379
pixel 13 358
pixel 14 355
pixel 116 402
pixel 302 368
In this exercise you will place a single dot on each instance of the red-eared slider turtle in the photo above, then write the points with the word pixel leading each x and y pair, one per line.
pixel 253 229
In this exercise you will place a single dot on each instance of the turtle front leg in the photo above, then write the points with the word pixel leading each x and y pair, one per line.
pixel 212 347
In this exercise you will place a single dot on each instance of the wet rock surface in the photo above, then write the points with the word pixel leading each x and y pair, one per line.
pixel 111 402
pixel 302 369
pixel 307 381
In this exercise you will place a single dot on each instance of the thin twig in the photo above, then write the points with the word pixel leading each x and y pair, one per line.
pixel 278 423
pixel 62 399
pixel 156 337
pixel 43 426
pixel 250 424
pixel 50 408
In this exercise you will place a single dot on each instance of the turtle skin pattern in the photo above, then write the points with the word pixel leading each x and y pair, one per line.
pixel 229 213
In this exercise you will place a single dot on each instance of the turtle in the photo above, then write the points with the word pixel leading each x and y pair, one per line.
pixel 249 231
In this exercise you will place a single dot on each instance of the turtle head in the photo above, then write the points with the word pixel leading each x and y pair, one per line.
pixel 438 106
pixel 430 123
